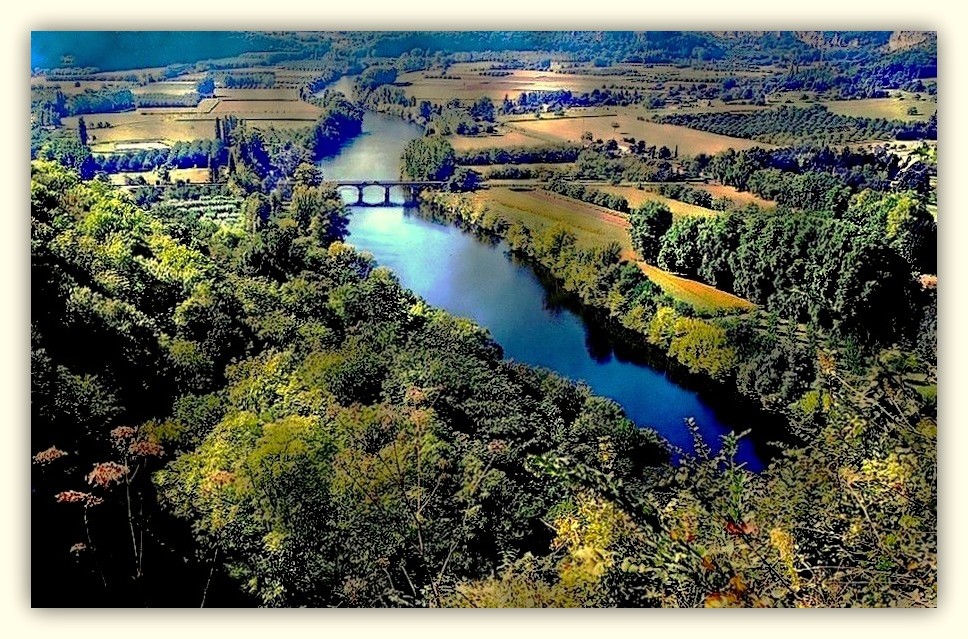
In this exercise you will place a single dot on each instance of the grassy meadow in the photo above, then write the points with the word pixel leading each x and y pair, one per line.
pixel 595 226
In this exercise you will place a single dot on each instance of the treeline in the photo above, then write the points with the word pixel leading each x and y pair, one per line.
pixel 519 173
pixel 253 80
pixel 865 77
pixel 849 273
pixel 340 121
pixel 793 125
pixel 433 158
pixel 814 178
pixel 556 100
pixel 99 101
pixel 592 164
pixel 694 196
pixel 47 106
pixel 372 77
pixel 588 194
pixel 544 154
pixel 201 153
pixel 190 99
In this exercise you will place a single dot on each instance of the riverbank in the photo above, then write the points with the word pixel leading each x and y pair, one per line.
pixel 618 296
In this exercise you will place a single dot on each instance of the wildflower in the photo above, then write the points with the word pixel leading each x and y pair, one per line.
pixel 47 456
pixel 78 548
pixel 497 446
pixel 146 448
pixel 122 433
pixel 78 497
pixel 106 473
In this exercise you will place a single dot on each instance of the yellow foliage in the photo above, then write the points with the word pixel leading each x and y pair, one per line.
pixel 662 326
pixel 702 346
pixel 784 544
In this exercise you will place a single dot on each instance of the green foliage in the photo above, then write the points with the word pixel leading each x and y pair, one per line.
pixel 429 158
pixel 70 151
pixel 702 347
pixel 710 534
pixel 100 101
pixel 903 220
pixel 815 124
pixel 649 223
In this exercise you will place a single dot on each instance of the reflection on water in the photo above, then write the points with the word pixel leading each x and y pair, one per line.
pixel 533 320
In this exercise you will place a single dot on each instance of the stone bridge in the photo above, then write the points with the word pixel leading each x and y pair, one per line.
pixel 411 189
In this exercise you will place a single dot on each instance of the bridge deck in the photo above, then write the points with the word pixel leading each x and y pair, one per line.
pixel 362 183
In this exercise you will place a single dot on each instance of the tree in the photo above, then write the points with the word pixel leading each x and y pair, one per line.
pixel 483 109
pixel 649 223
pixel 429 158
pixel 307 174
pixel 82 131
pixel 206 88
pixel 69 151
pixel 463 180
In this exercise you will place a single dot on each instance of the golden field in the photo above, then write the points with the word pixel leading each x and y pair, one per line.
pixel 596 226
pixel 689 141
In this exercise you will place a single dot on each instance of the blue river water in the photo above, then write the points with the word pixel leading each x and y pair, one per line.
pixel 454 270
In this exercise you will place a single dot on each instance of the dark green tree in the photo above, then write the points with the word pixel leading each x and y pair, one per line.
pixel 649 223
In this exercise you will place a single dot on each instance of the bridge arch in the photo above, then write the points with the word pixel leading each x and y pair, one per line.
pixel 411 189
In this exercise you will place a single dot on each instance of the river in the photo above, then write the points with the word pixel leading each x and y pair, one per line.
pixel 454 270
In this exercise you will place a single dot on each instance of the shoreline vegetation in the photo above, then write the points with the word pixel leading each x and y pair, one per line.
pixel 231 406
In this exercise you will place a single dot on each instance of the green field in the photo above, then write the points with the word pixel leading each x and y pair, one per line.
pixel 595 226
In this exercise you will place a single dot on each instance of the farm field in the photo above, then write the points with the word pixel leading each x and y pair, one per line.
pixel 169 87
pixel 689 141
pixel 596 226
pixel 889 108
pixel 67 86
pixel 537 209
pixel 279 108
pixel 257 94
pixel 637 197
pixel 667 72
pixel 134 126
pixel 267 109
pixel 506 138
pixel 710 106
pixel 465 82
pixel 701 296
